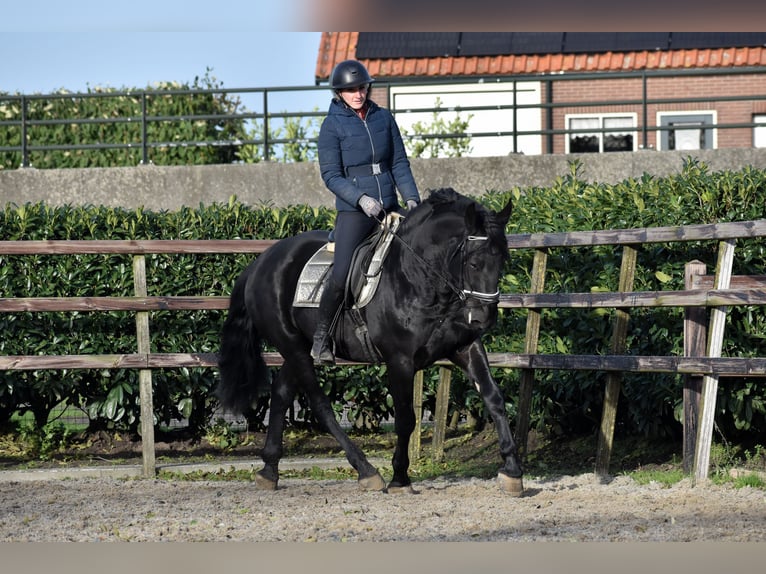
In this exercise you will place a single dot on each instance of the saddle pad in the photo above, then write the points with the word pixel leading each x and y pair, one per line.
pixel 311 281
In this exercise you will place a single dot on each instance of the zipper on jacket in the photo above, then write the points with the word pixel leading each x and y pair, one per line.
pixel 372 146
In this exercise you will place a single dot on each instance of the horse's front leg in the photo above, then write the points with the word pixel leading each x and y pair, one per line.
pixel 473 360
pixel 400 379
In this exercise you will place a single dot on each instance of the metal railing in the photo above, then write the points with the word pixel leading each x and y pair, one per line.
pixel 264 128
pixel 259 124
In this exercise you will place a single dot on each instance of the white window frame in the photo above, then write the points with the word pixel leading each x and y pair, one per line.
pixel 664 115
pixel 403 98
pixel 633 130
pixel 759 132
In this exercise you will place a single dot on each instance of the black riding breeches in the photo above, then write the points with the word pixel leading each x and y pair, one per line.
pixel 351 228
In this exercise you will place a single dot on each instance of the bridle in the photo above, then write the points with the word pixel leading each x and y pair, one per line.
pixel 481 298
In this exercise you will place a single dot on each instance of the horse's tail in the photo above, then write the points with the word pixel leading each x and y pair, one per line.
pixel 243 372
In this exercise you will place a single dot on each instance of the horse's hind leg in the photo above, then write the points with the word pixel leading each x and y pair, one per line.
pixel 282 395
pixel 369 477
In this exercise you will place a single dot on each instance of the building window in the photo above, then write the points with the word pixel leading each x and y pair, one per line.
pixel 497 122
pixel 600 133
pixel 759 132
pixel 686 130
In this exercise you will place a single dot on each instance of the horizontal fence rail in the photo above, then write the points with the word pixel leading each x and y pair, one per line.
pixel 714 293
pixel 728 366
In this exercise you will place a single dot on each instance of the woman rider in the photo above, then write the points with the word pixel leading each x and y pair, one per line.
pixel 362 161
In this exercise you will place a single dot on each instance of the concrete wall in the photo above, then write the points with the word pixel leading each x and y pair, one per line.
pixel 276 184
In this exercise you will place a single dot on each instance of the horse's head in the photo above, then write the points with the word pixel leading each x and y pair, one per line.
pixel 465 248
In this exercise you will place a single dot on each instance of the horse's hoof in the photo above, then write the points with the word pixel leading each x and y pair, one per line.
pixel 510 485
pixel 263 483
pixel 398 489
pixel 374 482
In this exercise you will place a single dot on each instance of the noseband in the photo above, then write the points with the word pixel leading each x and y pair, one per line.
pixel 483 298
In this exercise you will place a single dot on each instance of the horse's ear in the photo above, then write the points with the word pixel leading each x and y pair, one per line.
pixel 505 214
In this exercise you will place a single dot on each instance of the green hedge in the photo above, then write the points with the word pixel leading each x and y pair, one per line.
pixel 111 397
pixel 563 401
pixel 651 404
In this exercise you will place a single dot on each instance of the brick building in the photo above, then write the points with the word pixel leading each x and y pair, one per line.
pixel 558 92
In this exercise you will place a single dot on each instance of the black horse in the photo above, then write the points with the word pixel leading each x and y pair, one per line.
pixel 437 295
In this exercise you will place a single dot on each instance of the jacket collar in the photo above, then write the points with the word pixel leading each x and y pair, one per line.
pixel 339 107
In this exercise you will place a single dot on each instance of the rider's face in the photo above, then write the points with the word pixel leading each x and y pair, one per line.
pixel 356 96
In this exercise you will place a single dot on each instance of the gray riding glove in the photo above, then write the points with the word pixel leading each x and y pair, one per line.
pixel 371 206
pixel 411 204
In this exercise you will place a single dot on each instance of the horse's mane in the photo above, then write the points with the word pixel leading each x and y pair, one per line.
pixel 447 198
pixel 431 205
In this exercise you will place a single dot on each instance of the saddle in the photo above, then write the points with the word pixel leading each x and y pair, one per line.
pixel 364 274
pixel 361 283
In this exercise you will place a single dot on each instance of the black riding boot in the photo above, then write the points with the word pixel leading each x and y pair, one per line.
pixel 332 297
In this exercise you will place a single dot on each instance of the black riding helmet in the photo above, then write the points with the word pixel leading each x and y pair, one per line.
pixel 349 74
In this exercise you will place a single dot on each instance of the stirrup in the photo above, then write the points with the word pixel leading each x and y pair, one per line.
pixel 321 351
pixel 323 355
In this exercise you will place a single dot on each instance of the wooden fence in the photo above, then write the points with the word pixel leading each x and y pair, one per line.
pixel 702 366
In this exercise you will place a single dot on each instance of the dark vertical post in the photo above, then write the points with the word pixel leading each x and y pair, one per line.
pixel 532 336
pixel 549 114
pixel 440 416
pixel 266 151
pixel 645 111
pixel 695 338
pixel 417 404
pixel 145 392
pixel 144 131
pixel 24 148
pixel 515 119
pixel 614 379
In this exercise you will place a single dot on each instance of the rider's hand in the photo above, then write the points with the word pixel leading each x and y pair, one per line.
pixel 411 204
pixel 371 206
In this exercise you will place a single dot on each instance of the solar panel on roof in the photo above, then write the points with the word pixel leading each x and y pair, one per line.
pixel 537 42
pixel 595 42
pixel 644 41
pixel 495 43
pixel 484 43
pixel 407 44
pixel 382 45
pixel 691 40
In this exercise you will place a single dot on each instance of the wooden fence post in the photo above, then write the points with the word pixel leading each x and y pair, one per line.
pixel 614 379
pixel 537 285
pixel 695 335
pixel 714 346
pixel 417 403
pixel 440 416
pixel 144 375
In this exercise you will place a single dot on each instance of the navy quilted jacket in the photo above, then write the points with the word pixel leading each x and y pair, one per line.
pixel 348 146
